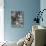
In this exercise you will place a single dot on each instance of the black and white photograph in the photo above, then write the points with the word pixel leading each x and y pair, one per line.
pixel 17 18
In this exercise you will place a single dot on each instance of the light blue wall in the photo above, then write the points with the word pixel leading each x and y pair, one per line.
pixel 29 7
pixel 43 6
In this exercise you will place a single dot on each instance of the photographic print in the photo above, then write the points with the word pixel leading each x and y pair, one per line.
pixel 17 18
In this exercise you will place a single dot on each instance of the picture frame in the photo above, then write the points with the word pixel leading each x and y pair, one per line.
pixel 17 18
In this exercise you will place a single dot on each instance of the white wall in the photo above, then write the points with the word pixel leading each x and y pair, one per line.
pixel 1 21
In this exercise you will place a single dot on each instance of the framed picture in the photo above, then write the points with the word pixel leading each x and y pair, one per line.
pixel 17 18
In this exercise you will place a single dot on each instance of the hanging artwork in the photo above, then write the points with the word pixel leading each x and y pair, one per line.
pixel 17 18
